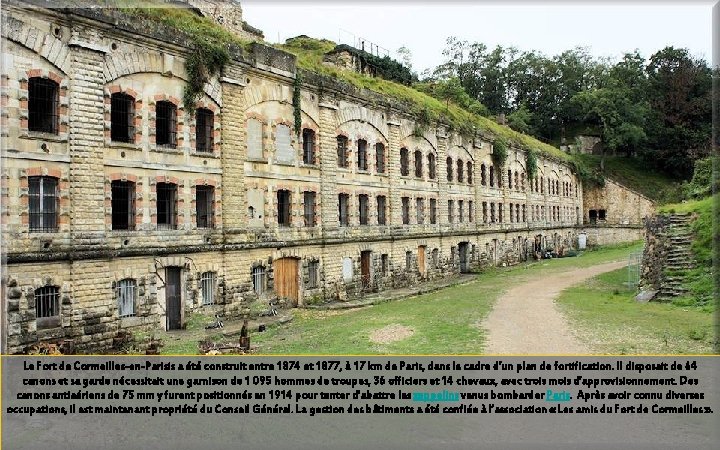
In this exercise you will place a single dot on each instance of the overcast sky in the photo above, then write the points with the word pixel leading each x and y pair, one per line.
pixel 607 29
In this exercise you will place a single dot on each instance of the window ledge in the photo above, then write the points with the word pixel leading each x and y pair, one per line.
pixel 198 154
pixel 123 145
pixel 171 150
pixel 309 166
pixel 38 135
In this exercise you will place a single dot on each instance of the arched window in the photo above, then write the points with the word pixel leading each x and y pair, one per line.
pixel 460 166
pixel 449 164
pixel 469 172
pixel 362 163
pixel 483 175
pixel 492 176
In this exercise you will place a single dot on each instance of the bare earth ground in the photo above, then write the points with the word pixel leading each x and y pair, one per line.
pixel 525 319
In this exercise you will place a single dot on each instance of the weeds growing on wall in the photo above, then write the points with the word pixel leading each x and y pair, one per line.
pixel 531 163
pixel 500 152
pixel 297 110
pixel 207 60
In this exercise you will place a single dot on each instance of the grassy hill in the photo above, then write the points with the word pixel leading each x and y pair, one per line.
pixel 635 175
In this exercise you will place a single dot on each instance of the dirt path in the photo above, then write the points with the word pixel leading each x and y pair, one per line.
pixel 525 319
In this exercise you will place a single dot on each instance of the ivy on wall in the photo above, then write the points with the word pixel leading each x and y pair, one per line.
pixel 296 104
pixel 531 163
pixel 500 152
pixel 207 60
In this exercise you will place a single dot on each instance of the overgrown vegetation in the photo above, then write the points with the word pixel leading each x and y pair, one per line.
pixel 531 164
pixel 384 66
pixel 610 321
pixel 297 109
pixel 500 152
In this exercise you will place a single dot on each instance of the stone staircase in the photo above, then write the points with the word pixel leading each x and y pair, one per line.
pixel 678 257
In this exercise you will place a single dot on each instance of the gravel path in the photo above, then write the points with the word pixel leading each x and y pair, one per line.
pixel 526 321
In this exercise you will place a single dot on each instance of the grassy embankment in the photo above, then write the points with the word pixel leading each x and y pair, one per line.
pixel 609 319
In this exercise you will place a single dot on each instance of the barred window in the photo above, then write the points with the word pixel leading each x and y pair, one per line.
pixel 283 207
pixel 123 205
pixel 308 136
pixel 451 206
pixel 469 172
pixel 404 162
pixel 166 124
pixel 380 157
pixel 381 208
pixel 204 130
pixel 343 216
pixel 309 208
pixel 363 207
pixel 435 258
pixel 258 279
pixel 483 175
pixel 126 291
pixel 362 155
pixel 431 166
pixel 204 206
pixel 492 176
pixel 313 274
pixel 47 306
pixel 449 165
pixel 460 210
pixel 342 154
pixel 43 103
pixel 122 117
pixel 408 261
pixel 433 211
pixel 471 212
pixel 208 285
pixel 460 166
pixel 43 203
pixel 510 179
pixel 166 206
pixel 420 210
pixel 384 264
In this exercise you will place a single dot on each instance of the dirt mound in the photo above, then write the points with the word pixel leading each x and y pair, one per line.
pixel 391 333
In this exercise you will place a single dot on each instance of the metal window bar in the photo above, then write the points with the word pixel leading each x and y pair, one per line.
pixel 381 207
pixel 313 268
pixel 342 143
pixel 126 290
pixel 204 130
pixel 122 118
pixel 418 164
pixel 460 211
pixel 283 208
pixel 166 206
pixel 380 157
pixel 404 162
pixel 408 260
pixel 406 210
pixel 362 155
pixel 460 167
pixel 47 301
pixel 363 209
pixel 204 206
pixel 343 200
pixel 123 205
pixel 470 211
pixel 43 204
pixel 449 165
pixel 208 285
pixel 450 211
pixel 420 210
pixel 258 280
pixel 166 124
pixel 469 172
pixel 433 211
pixel 43 100
pixel 309 208
pixel 308 146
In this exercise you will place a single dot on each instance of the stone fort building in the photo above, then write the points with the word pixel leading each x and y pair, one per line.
pixel 124 210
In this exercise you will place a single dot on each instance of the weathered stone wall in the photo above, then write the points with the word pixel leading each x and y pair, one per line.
pixel 622 205
pixel 85 259
pixel 612 234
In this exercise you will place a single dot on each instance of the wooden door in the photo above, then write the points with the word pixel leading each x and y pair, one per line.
pixel 173 298
pixel 421 261
pixel 365 268
pixel 286 279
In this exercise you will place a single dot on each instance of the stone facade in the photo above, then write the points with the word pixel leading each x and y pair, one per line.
pixel 277 228
pixel 615 204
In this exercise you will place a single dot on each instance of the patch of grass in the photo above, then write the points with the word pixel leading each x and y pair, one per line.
pixel 610 321
pixel 447 321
